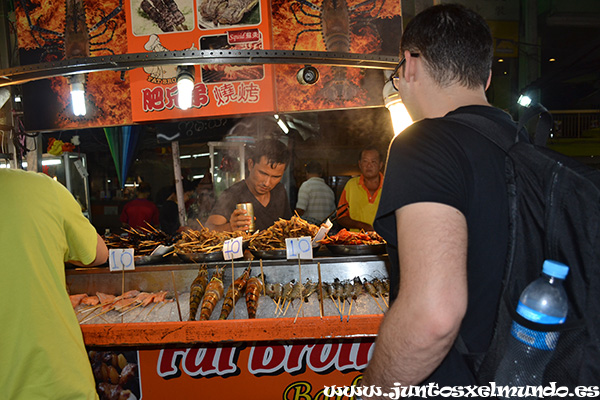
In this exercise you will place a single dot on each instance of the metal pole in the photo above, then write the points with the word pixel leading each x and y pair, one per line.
pixel 178 183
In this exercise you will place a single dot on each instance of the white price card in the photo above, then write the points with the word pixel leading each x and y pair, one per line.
pixel 233 248
pixel 120 259
pixel 323 231
pixel 299 248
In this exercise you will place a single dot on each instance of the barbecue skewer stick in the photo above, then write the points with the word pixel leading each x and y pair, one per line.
pixel 374 298
pixel 321 311
pixel 176 296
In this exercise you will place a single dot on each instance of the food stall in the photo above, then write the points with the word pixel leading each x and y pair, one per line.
pixel 290 350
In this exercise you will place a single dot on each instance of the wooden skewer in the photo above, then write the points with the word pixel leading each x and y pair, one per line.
pixel 130 309
pixel 336 306
pixel 232 287
pixel 262 276
pixel 321 310
pixel 350 310
pixel 155 304
pixel 384 302
pixel 374 298
pixel 299 308
pixel 96 315
pixel 176 296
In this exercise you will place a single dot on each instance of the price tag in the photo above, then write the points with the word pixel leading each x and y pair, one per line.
pixel 323 231
pixel 299 248
pixel 121 259
pixel 232 248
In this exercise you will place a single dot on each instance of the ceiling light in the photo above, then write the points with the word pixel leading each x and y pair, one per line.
pixel 393 102
pixel 78 94
pixel 524 100
pixel 185 85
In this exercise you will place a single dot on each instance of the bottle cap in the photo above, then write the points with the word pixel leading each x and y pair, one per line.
pixel 555 269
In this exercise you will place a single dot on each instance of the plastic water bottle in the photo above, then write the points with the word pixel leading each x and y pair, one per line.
pixel 543 301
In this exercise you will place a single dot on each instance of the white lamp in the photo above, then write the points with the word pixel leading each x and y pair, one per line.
pixel 78 94
pixel 393 102
pixel 185 85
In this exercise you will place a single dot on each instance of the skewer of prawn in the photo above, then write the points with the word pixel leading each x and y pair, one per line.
pixel 380 290
pixel 300 289
pixel 214 293
pixel 373 292
pixel 197 291
pixel 234 293
pixel 287 290
pixel 253 289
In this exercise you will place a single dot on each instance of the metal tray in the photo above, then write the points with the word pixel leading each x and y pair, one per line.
pixel 201 257
pixel 356 249
pixel 278 254
pixel 148 260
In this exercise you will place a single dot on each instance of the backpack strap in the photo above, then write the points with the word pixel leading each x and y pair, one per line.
pixel 544 125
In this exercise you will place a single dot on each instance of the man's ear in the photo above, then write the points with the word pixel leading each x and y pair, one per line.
pixel 489 80
pixel 409 66
pixel 250 163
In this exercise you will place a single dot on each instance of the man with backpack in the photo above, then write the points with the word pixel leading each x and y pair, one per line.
pixel 444 206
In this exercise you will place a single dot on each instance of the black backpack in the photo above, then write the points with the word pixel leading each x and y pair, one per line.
pixel 554 211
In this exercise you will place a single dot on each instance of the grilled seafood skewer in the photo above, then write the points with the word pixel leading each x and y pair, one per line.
pixel 214 293
pixel 253 289
pixel 373 292
pixel 234 293
pixel 197 291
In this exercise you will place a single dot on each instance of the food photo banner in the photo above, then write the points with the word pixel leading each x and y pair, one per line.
pixel 265 370
pixel 51 31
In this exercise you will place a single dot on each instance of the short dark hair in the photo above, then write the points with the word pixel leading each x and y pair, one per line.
pixel 272 149
pixel 144 188
pixel 454 42
pixel 370 148
pixel 314 167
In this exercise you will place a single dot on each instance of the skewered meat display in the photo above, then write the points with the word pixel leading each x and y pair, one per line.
pixel 227 12
pixel 165 13
pixel 274 237
pixel 346 237
pixel 205 240
pixel 143 239
pixel 339 297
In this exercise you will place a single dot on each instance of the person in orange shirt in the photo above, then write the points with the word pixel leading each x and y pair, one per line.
pixel 361 194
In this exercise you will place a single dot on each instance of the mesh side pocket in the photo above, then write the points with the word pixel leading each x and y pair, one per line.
pixel 565 361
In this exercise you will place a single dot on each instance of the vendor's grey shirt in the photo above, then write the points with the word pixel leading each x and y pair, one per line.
pixel 278 207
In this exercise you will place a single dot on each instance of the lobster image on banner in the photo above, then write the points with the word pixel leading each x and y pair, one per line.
pixel 364 27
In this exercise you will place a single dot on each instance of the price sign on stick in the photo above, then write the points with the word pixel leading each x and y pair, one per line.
pixel 232 248
pixel 299 248
pixel 121 260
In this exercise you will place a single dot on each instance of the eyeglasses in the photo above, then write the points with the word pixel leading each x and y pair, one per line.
pixel 394 78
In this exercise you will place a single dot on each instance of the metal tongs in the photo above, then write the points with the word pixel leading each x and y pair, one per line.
pixel 341 209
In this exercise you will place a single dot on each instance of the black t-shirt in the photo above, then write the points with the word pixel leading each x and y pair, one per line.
pixel 278 207
pixel 446 162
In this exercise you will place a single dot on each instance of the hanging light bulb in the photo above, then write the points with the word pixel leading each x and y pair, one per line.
pixel 78 94
pixel 185 85
pixel 393 102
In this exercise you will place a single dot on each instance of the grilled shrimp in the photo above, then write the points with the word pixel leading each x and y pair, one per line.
pixel 253 289
pixel 214 292
pixel 370 288
pixel 234 293
pixel 197 291
pixel 309 288
pixel 357 288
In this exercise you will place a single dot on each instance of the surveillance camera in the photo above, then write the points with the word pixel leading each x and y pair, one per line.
pixel 308 75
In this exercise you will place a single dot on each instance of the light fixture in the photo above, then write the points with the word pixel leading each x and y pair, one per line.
pixel 281 124
pixel 78 94
pixel 308 75
pixel 524 100
pixel 393 102
pixel 185 85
